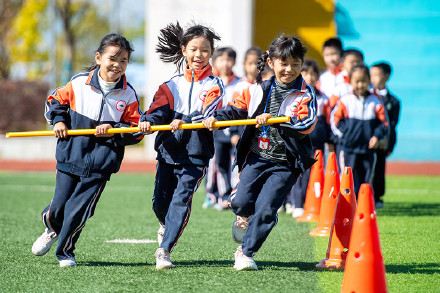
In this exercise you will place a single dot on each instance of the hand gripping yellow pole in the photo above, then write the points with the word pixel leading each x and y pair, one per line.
pixel 153 127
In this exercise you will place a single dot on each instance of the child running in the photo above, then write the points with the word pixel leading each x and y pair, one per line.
pixel 182 155
pixel 361 119
pixel 270 158
pixel 101 99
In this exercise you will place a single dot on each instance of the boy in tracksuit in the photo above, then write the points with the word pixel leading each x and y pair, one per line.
pixel 380 73
pixel 361 120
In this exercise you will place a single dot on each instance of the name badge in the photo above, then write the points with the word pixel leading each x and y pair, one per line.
pixel 263 143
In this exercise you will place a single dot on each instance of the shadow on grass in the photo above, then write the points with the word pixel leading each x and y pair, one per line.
pixel 416 268
pixel 112 264
pixel 410 209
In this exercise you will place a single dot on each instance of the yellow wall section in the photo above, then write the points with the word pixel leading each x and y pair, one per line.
pixel 312 20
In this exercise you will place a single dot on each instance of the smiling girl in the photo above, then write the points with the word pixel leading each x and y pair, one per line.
pixel 100 99
pixel 182 155
pixel 270 158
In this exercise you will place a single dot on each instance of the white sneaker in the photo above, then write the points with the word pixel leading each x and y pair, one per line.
pixel 43 244
pixel 297 212
pixel 70 262
pixel 243 262
pixel 163 259
pixel 289 208
pixel 160 233
pixel 239 228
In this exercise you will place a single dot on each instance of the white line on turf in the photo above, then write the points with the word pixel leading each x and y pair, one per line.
pixel 135 241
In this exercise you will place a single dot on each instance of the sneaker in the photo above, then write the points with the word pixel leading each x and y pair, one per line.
pixel 282 209
pixel 43 244
pixel 209 201
pixel 163 259
pixel 222 205
pixel 69 262
pixel 289 208
pixel 297 212
pixel 239 228
pixel 243 262
pixel 160 233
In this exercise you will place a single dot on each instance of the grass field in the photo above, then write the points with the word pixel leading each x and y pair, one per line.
pixel 409 228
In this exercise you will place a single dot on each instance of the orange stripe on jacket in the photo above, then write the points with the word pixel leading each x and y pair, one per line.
pixel 213 93
pixel 162 97
pixel 64 95
pixel 131 114
pixel 242 101
pixel 340 114
pixel 333 100
pixel 380 113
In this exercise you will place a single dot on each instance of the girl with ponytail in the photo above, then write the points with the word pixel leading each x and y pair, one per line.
pixel 270 158
pixel 182 155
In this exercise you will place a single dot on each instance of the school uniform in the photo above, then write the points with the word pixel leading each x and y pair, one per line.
pixel 270 159
pixel 357 120
pixel 183 155
pixel 392 107
pixel 85 162
pixel 329 79
pixel 319 136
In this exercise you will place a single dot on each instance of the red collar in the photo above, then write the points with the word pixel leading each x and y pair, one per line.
pixel 198 74
pixel 335 70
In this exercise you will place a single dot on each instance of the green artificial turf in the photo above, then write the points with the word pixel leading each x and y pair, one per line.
pixel 409 228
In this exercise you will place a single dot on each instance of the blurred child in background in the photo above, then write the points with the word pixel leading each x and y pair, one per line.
pixel 270 158
pixel 100 99
pixel 380 74
pixel 319 136
pixel 182 155
pixel 361 118
pixel 332 76
pixel 218 177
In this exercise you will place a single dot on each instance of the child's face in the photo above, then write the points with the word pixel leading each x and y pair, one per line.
pixel 360 82
pixel 223 64
pixel 378 77
pixel 350 61
pixel 197 52
pixel 286 71
pixel 250 66
pixel 310 77
pixel 331 56
pixel 112 65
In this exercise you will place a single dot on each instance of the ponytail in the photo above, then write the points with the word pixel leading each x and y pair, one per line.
pixel 169 46
pixel 173 37
pixel 260 66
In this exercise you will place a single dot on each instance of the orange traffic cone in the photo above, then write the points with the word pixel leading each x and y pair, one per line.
pixel 342 224
pixel 329 198
pixel 365 270
pixel 314 191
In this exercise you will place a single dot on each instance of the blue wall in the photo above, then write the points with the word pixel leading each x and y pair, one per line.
pixel 406 34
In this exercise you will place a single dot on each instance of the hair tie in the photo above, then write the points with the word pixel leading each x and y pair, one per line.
pixel 267 52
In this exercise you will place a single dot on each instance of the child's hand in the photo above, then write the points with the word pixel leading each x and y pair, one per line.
pixel 175 125
pixel 234 139
pixel 101 130
pixel 262 119
pixel 144 127
pixel 373 143
pixel 209 123
pixel 60 130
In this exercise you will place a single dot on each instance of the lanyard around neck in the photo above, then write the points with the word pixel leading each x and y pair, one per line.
pixel 265 130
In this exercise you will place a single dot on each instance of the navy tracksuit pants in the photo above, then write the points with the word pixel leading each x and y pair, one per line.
pixel 73 203
pixel 362 166
pixel 174 188
pixel 218 181
pixel 261 191
pixel 379 175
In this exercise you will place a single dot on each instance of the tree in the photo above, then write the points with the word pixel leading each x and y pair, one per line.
pixel 8 10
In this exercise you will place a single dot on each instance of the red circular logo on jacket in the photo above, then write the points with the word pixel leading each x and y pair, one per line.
pixel 202 95
pixel 120 106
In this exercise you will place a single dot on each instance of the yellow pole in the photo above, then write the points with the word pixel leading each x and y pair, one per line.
pixel 153 127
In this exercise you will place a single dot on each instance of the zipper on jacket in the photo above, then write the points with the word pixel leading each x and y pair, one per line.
pixel 190 91
pixel 102 104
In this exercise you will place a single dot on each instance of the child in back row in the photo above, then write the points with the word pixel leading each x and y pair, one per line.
pixel 182 155
pixel 218 177
pixel 361 119
pixel 332 76
pixel 101 99
pixel 380 74
pixel 319 136
pixel 270 158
